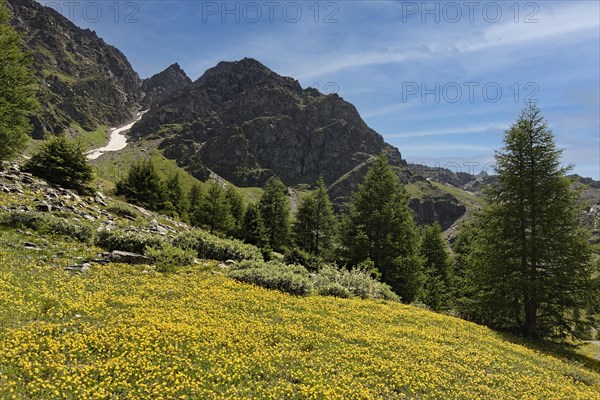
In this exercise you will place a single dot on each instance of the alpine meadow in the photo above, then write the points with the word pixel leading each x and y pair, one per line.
pixel 432 234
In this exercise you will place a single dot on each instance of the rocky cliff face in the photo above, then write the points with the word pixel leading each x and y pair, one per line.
pixel 162 85
pixel 82 79
pixel 246 123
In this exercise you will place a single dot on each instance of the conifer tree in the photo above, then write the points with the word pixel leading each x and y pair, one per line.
pixel 236 206
pixel 194 199
pixel 315 226
pixel 143 186
pixel 437 268
pixel 274 208
pixel 63 162
pixel 214 212
pixel 253 227
pixel 17 90
pixel 534 268
pixel 380 228
pixel 175 196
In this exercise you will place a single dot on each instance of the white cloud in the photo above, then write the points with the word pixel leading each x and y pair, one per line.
pixel 490 127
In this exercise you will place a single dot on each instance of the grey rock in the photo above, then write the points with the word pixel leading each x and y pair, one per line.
pixel 81 268
pixel 129 258
pixel 43 207
pixel 31 246
pixel 163 84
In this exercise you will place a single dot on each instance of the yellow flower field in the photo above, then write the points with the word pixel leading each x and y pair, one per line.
pixel 118 332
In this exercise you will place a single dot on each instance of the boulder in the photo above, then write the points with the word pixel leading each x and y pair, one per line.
pixel 125 257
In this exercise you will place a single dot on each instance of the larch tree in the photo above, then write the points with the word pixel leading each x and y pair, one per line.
pixel 437 267
pixel 144 186
pixel 533 266
pixel 17 90
pixel 214 212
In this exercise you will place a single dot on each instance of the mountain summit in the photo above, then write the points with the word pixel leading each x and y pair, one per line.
pixel 247 123
pixel 163 84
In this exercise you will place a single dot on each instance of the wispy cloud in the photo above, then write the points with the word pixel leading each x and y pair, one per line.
pixel 491 127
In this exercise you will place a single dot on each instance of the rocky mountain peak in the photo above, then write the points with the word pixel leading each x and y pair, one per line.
pixel 162 85
pixel 230 78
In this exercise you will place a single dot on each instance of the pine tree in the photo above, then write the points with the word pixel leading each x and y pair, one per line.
pixel 380 228
pixel 275 212
pixel 534 260
pixel 17 90
pixel 194 200
pixel 236 206
pixel 253 227
pixel 174 192
pixel 143 186
pixel 463 290
pixel 63 162
pixel 315 226
pixel 437 268
pixel 214 212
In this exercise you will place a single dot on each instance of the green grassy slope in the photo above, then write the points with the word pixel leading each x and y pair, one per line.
pixel 121 331
pixel 113 166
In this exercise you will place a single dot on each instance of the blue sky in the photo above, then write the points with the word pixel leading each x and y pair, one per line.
pixel 440 80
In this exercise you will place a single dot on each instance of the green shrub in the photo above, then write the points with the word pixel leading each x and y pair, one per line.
pixel 357 282
pixel 47 223
pixel 335 290
pixel 63 162
pixel 273 265
pixel 276 277
pixel 123 209
pixel 215 248
pixel 297 256
pixel 167 257
pixel 134 242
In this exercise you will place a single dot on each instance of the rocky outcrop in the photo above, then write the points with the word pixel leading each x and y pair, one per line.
pixel 82 80
pixel 444 209
pixel 162 85
pixel 247 123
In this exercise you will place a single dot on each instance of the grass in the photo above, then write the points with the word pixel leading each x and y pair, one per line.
pixel 121 331
pixel 113 166
pixel 590 350
pixel 94 139
pixel 91 139
pixel 418 190
pixel 470 201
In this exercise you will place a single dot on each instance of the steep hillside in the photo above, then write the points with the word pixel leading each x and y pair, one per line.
pixel 82 80
pixel 468 189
